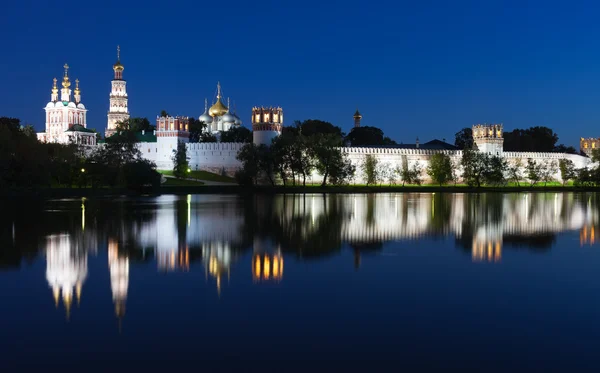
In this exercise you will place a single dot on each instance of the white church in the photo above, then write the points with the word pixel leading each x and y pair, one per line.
pixel 66 123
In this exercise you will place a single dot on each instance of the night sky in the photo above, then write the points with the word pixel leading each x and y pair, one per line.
pixel 415 68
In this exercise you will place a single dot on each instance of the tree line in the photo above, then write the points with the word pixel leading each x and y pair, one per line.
pixel 294 155
pixel 26 162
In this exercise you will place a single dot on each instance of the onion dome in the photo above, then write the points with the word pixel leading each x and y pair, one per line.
pixel 238 121
pixel 218 109
pixel 66 83
pixel 228 117
pixel 205 117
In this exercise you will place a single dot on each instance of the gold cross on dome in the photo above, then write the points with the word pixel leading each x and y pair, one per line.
pixel 66 68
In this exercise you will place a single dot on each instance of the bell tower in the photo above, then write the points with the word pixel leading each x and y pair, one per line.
pixel 118 110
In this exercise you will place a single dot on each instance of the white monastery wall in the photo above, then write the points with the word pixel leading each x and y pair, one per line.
pixel 221 158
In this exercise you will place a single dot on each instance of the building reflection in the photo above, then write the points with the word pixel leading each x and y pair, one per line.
pixel 587 235
pixel 217 258
pixel 66 270
pixel 267 267
pixel 118 266
pixel 219 231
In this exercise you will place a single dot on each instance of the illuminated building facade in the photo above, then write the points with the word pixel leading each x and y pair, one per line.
pixel 66 118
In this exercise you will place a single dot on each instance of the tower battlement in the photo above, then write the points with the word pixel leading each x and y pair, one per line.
pixel 589 144
pixel 488 131
pixel 489 138
pixel 267 123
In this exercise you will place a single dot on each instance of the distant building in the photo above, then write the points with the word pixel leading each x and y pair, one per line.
pixel 219 117
pixel 589 144
pixel 66 120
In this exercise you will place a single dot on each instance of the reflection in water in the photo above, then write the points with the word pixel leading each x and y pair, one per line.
pixel 266 267
pixel 66 270
pixel 219 230
pixel 118 266
pixel 587 235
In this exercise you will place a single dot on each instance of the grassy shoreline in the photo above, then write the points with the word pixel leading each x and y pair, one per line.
pixel 236 189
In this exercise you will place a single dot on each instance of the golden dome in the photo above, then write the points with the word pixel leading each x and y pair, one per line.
pixel 218 109
pixel 66 83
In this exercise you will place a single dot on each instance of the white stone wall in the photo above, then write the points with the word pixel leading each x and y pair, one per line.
pixel 221 157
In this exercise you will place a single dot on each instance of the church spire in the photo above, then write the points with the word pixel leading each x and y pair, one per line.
pixel 54 96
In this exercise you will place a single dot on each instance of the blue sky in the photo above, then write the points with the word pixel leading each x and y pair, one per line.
pixel 418 68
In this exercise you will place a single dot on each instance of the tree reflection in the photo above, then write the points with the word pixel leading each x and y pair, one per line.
pixel 179 230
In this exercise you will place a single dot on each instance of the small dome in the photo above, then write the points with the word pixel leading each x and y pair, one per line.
pixel 205 118
pixel 71 104
pixel 50 105
pixel 118 67
pixel 80 106
pixel 217 109
pixel 228 118
pixel 238 121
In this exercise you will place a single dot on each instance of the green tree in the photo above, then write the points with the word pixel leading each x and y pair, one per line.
pixel 29 131
pixel 534 171
pixel 534 139
pixel 266 162
pixel 163 113
pixel 367 136
pixel 312 127
pixel 249 155
pixel 282 149
pixel 196 129
pixel 495 169
pixel 561 148
pixel 208 137
pixel 548 170
pixel 370 170
pixel 440 168
pixel 327 153
pixel 342 171
pixel 474 164
pixel 416 171
pixel 463 139
pixel 236 134
pixel 515 171
pixel 180 161
pixel 567 170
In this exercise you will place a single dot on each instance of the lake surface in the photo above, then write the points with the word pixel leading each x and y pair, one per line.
pixel 385 282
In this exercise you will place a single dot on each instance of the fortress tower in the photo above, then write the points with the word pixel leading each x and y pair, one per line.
pixel 588 145
pixel 489 138
pixel 266 124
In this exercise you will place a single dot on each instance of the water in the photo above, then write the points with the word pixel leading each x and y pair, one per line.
pixel 420 282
